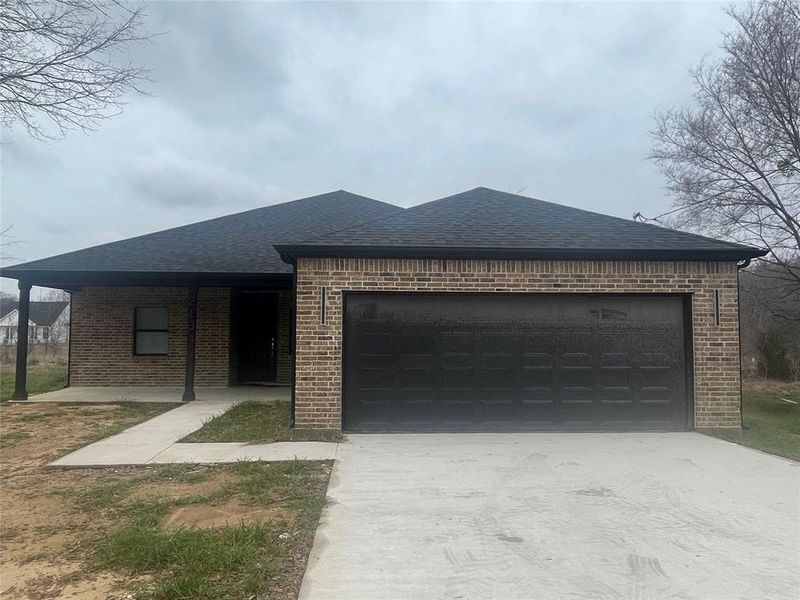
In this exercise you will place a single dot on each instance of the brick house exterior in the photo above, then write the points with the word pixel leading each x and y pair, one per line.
pixel 318 384
pixel 676 344
pixel 102 352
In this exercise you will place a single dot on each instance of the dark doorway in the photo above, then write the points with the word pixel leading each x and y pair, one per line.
pixel 253 337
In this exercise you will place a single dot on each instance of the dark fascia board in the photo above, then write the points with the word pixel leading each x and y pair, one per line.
pixel 78 279
pixel 289 253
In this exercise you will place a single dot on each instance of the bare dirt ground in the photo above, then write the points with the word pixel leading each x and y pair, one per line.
pixel 39 533
pixel 51 519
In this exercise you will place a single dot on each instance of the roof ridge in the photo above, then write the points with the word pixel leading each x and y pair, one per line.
pixel 484 219
pixel 605 216
pixel 361 224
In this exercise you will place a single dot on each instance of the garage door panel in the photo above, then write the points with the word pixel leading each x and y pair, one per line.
pixel 571 396
pixel 657 383
pixel 456 379
pixel 456 396
pixel 491 362
pixel 416 396
pixel 615 380
pixel 541 395
pixel 537 360
pixel 413 344
pixel 375 343
pixel 376 396
pixel 537 380
pixel 615 360
pixel 496 378
pixel 376 378
pixel 495 396
pixel 617 396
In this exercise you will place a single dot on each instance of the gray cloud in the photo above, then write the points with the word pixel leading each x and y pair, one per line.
pixel 254 103
pixel 173 180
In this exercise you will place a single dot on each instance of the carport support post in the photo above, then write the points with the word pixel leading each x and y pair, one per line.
pixel 23 316
pixel 191 331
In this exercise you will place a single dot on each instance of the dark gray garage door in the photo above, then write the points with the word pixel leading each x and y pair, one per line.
pixel 500 362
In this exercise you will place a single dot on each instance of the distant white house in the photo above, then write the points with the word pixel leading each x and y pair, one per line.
pixel 48 322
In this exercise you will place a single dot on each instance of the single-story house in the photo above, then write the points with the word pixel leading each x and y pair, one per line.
pixel 482 311
pixel 48 322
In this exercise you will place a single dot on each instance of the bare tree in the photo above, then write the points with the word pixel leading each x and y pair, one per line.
pixel 770 339
pixel 732 159
pixel 6 242
pixel 61 62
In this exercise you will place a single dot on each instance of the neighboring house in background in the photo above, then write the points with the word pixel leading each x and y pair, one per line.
pixel 48 322
pixel 482 311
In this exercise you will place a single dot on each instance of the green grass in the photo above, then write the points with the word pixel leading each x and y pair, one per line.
pixel 12 438
pixel 41 378
pixel 770 423
pixel 234 562
pixel 258 422
pixel 224 563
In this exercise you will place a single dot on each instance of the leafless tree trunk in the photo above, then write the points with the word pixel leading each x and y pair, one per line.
pixel 61 61
pixel 732 159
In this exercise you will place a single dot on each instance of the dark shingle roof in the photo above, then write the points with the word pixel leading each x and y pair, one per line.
pixel 42 313
pixel 239 243
pixel 485 222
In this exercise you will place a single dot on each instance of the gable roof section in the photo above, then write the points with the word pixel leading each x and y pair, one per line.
pixel 41 313
pixel 486 223
pixel 242 243
pixel 7 305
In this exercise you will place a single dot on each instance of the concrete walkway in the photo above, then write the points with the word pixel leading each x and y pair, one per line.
pixel 556 516
pixel 154 442
pixel 102 394
pixel 208 453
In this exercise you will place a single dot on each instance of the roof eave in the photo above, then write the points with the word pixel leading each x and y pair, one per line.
pixel 68 279
pixel 289 253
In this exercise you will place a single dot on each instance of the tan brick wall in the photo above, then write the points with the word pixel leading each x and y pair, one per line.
pixel 284 366
pixel 318 383
pixel 102 332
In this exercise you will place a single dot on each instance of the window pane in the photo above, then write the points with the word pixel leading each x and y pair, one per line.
pixel 151 317
pixel 151 342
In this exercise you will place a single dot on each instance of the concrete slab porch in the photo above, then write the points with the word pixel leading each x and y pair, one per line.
pixel 164 394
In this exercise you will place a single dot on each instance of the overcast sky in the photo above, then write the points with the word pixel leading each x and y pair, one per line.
pixel 257 103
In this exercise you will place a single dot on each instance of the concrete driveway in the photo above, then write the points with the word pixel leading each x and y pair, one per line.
pixel 556 516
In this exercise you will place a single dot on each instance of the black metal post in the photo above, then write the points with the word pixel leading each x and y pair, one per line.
pixel 191 330
pixel 23 316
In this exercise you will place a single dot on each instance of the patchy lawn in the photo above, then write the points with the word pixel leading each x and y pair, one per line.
pixel 771 419
pixel 41 378
pixel 162 532
pixel 258 422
